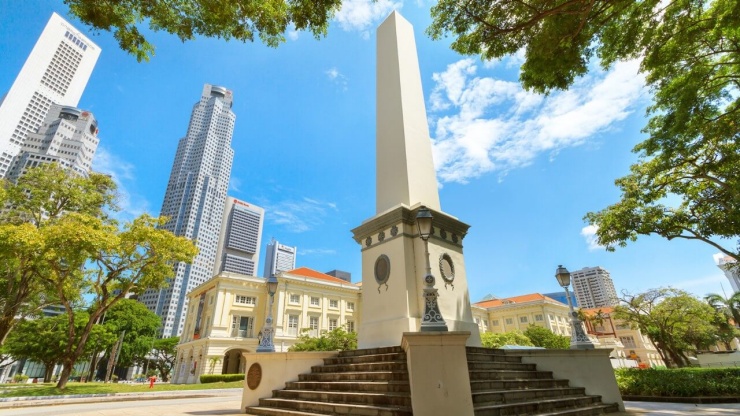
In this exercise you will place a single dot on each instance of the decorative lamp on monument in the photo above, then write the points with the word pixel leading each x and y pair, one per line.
pixel 432 319
pixel 578 338
pixel 265 336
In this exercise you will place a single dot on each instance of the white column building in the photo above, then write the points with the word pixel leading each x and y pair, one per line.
pixel 594 287
pixel 56 72
pixel 195 200
pixel 728 265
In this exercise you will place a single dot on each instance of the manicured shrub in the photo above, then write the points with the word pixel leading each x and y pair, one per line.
pixel 20 378
pixel 215 378
pixel 679 382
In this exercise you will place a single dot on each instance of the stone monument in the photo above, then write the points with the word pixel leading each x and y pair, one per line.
pixel 393 254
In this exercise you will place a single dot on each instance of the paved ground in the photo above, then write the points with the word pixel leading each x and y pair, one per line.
pixel 228 403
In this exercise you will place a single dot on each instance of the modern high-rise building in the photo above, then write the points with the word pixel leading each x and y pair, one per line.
pixel 730 267
pixel 594 288
pixel 56 72
pixel 194 201
pixel 341 274
pixel 241 237
pixel 68 136
pixel 278 258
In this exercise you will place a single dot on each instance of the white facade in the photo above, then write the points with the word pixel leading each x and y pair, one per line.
pixel 279 258
pixel 240 239
pixel 56 72
pixel 594 287
pixel 68 136
pixel 194 201
pixel 728 265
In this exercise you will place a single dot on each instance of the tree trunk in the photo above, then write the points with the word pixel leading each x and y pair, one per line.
pixel 48 372
pixel 66 372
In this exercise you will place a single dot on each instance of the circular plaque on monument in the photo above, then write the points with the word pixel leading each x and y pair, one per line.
pixel 254 376
pixel 382 269
pixel 446 268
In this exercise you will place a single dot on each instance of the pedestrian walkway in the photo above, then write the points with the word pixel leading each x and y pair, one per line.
pixel 679 409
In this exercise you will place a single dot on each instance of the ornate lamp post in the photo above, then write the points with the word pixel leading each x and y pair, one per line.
pixel 265 336
pixel 432 319
pixel 578 338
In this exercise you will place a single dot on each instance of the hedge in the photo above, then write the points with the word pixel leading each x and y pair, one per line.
pixel 679 382
pixel 215 378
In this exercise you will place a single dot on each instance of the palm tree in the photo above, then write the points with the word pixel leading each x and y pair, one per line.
pixel 730 307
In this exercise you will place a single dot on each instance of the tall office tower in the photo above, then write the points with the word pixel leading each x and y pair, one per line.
pixel 594 287
pixel 731 269
pixel 278 258
pixel 56 72
pixel 195 200
pixel 341 274
pixel 68 136
pixel 240 239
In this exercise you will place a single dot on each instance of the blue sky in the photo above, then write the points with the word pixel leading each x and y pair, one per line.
pixel 521 169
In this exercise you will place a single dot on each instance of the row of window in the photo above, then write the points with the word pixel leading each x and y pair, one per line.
pixel 295 299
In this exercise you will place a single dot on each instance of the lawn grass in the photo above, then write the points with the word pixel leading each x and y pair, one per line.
pixel 48 389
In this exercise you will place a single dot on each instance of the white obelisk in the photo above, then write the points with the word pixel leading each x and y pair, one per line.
pixel 393 256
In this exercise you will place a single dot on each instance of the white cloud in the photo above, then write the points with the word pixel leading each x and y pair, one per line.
pixel 589 233
pixel 235 184
pixel 299 215
pixel 363 15
pixel 293 34
pixel 337 78
pixel 122 172
pixel 317 252
pixel 484 124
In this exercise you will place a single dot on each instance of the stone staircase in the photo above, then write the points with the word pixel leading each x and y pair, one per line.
pixel 502 385
pixel 375 382
pixel 370 382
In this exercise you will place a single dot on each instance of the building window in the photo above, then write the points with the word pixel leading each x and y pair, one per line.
pixel 350 326
pixel 350 306
pixel 509 321
pixel 523 319
pixel 495 322
pixel 245 300
pixel 332 324
pixel 315 301
pixel 313 326
pixel 242 326
pixel 334 304
pixel 538 317
pixel 295 298
pixel 628 342
pixel 293 325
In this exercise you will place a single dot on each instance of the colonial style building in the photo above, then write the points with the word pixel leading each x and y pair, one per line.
pixel 518 312
pixel 228 313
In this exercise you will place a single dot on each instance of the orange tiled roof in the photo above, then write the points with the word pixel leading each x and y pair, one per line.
pixel 313 274
pixel 516 299
pixel 594 311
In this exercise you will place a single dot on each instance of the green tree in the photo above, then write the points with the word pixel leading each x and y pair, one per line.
pixel 690 54
pixel 729 307
pixel 675 321
pixel 337 339
pixel 140 325
pixel 165 354
pixel 239 20
pixel 39 200
pixel 543 337
pixel 498 340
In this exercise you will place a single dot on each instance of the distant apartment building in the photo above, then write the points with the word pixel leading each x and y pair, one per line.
pixel 56 72
pixel 279 258
pixel 731 269
pixel 240 239
pixel 194 201
pixel 346 276
pixel 594 288
pixel 68 136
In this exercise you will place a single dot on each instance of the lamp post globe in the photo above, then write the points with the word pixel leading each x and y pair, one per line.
pixel 578 338
pixel 265 337
pixel 432 319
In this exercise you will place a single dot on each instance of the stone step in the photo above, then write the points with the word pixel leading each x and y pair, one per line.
pixel 373 358
pixel 342 368
pixel 484 350
pixel 356 376
pixel 483 385
pixel 495 365
pixel 537 407
pixel 373 399
pixel 358 386
pixel 274 411
pixel 334 408
pixel 515 396
pixel 371 351
pixel 593 410
pixel 508 375
pixel 475 357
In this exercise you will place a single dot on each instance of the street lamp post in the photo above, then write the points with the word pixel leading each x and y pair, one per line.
pixel 578 338
pixel 265 341
pixel 432 319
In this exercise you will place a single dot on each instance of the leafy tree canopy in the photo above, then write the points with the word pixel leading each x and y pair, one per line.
pixel 335 340
pixel 140 326
pixel 234 19
pixel 165 354
pixel 687 181
pixel 543 337
pixel 498 340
